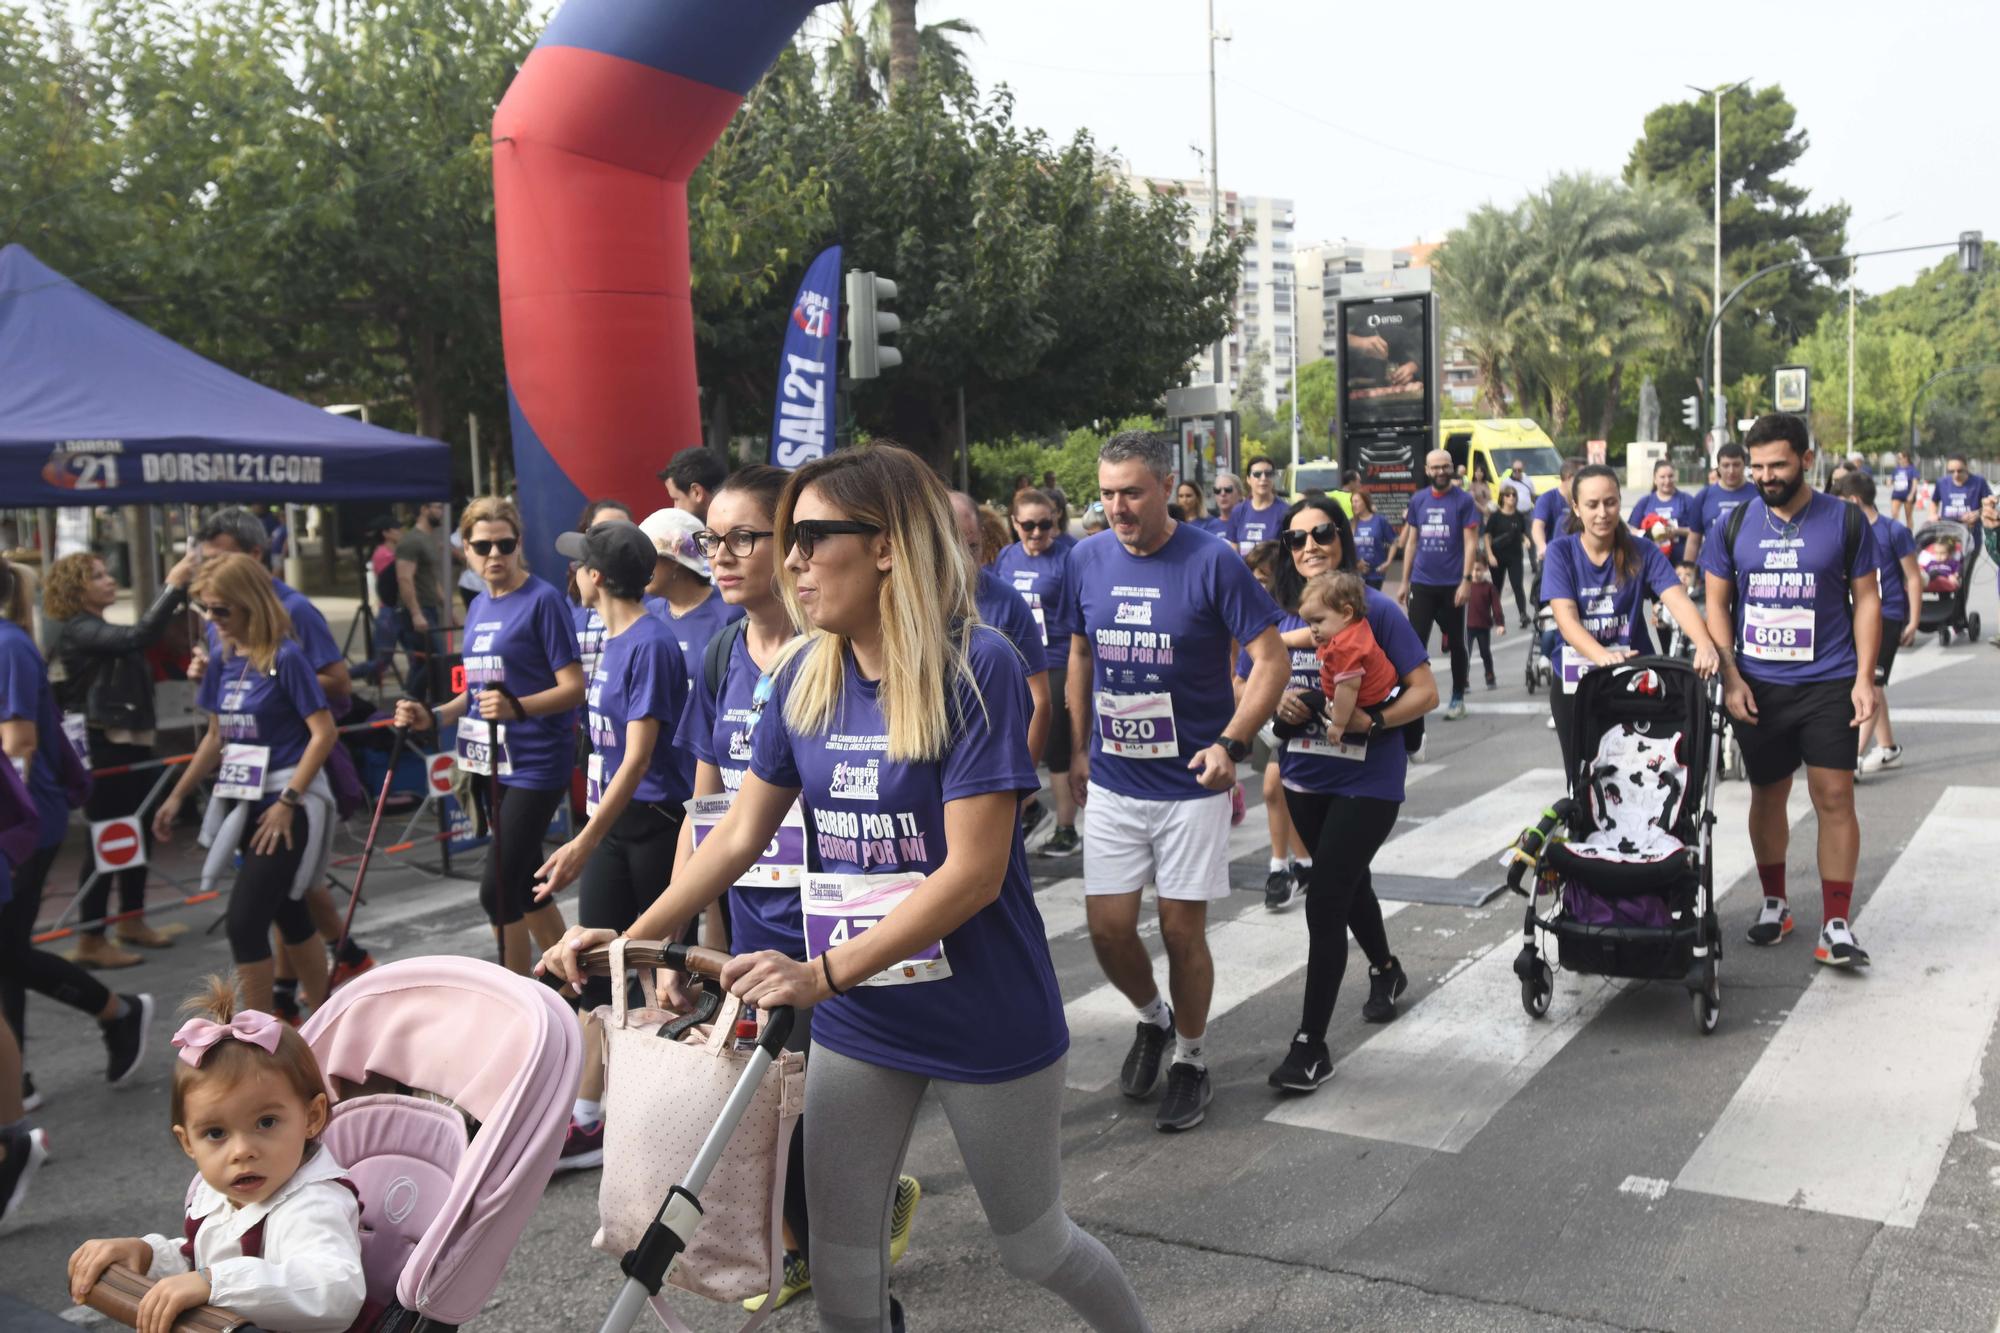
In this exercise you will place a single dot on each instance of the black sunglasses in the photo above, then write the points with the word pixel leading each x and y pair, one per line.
pixel 740 541
pixel 504 545
pixel 1225 490
pixel 1259 476
pixel 214 610
pixel 1034 524
pixel 806 533
pixel 1324 534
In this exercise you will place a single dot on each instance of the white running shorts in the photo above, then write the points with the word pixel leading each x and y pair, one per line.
pixel 1179 847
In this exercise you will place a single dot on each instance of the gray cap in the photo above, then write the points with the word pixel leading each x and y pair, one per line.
pixel 617 550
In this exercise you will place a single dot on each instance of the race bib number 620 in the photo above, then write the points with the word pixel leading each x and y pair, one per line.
pixel 1137 726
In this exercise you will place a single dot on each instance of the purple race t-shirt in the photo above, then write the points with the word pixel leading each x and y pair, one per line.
pixel 1043 584
pixel 1609 609
pixel 264 707
pixel 520 641
pixel 1716 503
pixel 1892 542
pixel 1681 511
pixel 1002 608
pixel 1903 482
pixel 1794 625
pixel 1552 508
pixel 589 636
pixel 1441 522
pixel 719 731
pixel 639 675
pixel 1249 525
pixel 1160 627
pixel 868 814
pixel 25 696
pixel 1374 543
pixel 1959 500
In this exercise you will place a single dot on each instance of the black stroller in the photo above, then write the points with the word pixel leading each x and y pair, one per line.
pixel 1944 613
pixel 1624 860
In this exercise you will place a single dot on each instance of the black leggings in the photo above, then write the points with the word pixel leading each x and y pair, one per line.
pixel 23 967
pixel 1432 604
pixel 1344 832
pixel 111 797
pixel 629 869
pixel 1511 567
pixel 263 895
pixel 1562 707
pixel 1482 639
pixel 520 816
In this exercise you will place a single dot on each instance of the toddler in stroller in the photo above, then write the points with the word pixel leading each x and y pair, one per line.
pixel 1947 554
pixel 367 1207
pixel 1624 860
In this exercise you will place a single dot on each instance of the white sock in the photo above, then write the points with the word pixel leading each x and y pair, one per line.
pixel 1279 863
pixel 1302 863
pixel 587 1112
pixel 1189 1050
pixel 1155 1012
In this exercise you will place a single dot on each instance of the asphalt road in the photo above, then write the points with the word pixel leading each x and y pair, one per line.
pixel 1828 1159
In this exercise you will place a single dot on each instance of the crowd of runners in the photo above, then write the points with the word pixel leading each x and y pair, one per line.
pixel 840 651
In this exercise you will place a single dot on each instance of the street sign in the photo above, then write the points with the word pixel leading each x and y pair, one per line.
pixel 440 773
pixel 1792 389
pixel 120 843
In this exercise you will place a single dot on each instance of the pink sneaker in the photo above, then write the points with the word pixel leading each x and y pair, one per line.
pixel 582 1147
pixel 1237 809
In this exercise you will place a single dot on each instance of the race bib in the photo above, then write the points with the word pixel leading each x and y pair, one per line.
pixel 1778 633
pixel 77 730
pixel 1575 666
pixel 1137 726
pixel 481 747
pixel 782 863
pixel 1900 487
pixel 1041 623
pixel 839 908
pixel 241 777
pixel 593 784
pixel 1323 747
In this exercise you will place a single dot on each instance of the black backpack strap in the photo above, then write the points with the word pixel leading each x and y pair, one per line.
pixel 1730 527
pixel 715 657
pixel 1855 529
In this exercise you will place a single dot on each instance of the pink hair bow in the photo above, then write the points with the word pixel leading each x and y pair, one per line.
pixel 197 1035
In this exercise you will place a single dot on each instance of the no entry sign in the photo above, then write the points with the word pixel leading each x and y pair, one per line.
pixel 119 843
pixel 440 773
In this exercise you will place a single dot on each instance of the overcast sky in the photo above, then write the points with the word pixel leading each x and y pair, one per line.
pixel 1386 123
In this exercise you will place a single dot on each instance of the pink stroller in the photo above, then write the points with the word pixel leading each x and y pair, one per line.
pixel 441 1207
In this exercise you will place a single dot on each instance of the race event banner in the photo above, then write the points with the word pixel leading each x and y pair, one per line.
pixel 802 425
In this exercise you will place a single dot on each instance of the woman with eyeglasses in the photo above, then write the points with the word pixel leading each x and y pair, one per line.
pixel 269 734
pixel 899 724
pixel 1039 572
pixel 1344 792
pixel 1374 539
pixel 523 682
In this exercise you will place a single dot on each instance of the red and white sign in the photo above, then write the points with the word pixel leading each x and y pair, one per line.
pixel 440 773
pixel 120 843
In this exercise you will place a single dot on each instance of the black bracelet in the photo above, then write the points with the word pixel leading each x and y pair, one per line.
pixel 826 970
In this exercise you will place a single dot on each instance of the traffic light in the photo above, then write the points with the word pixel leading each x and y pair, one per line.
pixel 1691 411
pixel 867 323
pixel 1971 252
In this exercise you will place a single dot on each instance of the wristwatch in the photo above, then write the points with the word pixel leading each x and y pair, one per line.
pixel 291 798
pixel 1374 712
pixel 1237 750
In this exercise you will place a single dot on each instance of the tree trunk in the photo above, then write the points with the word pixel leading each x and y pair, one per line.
pixel 902 45
pixel 1612 387
pixel 718 422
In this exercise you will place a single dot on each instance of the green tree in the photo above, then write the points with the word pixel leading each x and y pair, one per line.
pixel 1478 273
pixel 1890 365
pixel 1765 219
pixel 1319 407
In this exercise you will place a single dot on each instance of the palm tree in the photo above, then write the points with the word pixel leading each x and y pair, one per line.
pixel 1475 275
pixel 845 64
pixel 875 55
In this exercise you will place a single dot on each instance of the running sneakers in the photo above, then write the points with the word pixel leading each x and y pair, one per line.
pixel 125 1038
pixel 1773 923
pixel 1063 842
pixel 1837 946
pixel 1492 682
pixel 902 1218
pixel 345 971
pixel 26 1148
pixel 583 1148
pixel 1188 1095
pixel 1384 988
pixel 1881 757
pixel 31 1100
pixel 1456 710
pixel 1281 890
pixel 285 1008
pixel 1307 1065
pixel 1032 815
pixel 1142 1062
pixel 797 1281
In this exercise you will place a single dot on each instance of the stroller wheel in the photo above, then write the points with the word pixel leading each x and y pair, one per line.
pixel 1972 625
pixel 1706 1001
pixel 1537 990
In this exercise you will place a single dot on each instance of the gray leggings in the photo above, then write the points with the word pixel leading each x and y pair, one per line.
pixel 858 1129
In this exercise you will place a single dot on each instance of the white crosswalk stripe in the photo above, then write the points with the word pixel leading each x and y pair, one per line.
pixel 1472 834
pixel 1891 1057
pixel 1446 1068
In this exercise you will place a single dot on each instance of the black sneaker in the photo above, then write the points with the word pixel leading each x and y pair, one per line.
pixel 1307 1065
pixel 1032 815
pixel 1281 890
pixel 26 1147
pixel 1188 1095
pixel 125 1038
pixel 1773 923
pixel 1837 946
pixel 1063 842
pixel 1384 988
pixel 1142 1062
pixel 31 1100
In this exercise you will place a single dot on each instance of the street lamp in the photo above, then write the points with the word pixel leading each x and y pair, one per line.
pixel 1715 293
pixel 1214 170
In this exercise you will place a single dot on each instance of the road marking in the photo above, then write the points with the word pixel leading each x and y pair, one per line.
pixel 1446 1068
pixel 1954 717
pixel 1649 1188
pixel 1471 834
pixel 1892 1057
pixel 1916 663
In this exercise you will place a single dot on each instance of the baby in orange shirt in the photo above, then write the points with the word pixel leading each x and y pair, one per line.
pixel 1354 672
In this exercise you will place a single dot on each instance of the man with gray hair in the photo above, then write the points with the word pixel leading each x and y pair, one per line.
pixel 1159 608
